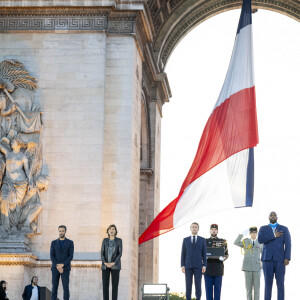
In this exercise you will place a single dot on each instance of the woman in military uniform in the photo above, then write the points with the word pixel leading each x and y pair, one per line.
pixel 251 249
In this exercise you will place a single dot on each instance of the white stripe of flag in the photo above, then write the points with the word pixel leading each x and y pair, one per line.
pixel 222 173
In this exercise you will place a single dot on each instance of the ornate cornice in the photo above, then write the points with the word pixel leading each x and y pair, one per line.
pixel 58 24
pixel 33 261
pixel 33 265
pixel 10 256
pixel 67 19
pixel 92 266
pixel 16 263
pixel 54 11
pixel 18 259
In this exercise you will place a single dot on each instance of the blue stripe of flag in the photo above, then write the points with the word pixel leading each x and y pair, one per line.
pixel 246 15
pixel 250 178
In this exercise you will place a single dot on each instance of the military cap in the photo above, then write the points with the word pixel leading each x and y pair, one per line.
pixel 253 229
pixel 214 226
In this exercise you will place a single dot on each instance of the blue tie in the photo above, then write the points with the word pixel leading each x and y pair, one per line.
pixel 194 240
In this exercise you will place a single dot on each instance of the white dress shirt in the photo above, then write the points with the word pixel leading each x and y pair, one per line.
pixel 195 238
pixel 35 293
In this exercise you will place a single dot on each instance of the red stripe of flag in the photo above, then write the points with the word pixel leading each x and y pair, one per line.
pixel 232 127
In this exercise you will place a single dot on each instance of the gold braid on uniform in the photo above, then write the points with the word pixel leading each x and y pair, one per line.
pixel 246 250
pixel 225 246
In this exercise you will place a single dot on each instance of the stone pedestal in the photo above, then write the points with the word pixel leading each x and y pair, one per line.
pixel 18 269
pixel 14 244
pixel 15 269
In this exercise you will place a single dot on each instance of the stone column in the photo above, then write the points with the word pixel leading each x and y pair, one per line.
pixel 121 154
pixel 149 202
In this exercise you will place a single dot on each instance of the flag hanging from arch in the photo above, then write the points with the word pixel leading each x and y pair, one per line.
pixel 222 173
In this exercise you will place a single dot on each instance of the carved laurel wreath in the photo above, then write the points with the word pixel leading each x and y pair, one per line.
pixel 13 72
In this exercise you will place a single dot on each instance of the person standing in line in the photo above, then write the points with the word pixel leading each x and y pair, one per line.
pixel 215 267
pixel 276 240
pixel 193 260
pixel 32 291
pixel 3 290
pixel 251 264
pixel 61 254
pixel 111 252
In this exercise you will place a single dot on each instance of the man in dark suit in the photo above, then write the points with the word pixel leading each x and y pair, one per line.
pixel 193 260
pixel 32 291
pixel 61 254
pixel 276 254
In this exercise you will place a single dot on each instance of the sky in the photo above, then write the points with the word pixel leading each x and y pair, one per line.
pixel 196 71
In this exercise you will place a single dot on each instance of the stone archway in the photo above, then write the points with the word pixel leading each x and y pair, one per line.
pixel 172 20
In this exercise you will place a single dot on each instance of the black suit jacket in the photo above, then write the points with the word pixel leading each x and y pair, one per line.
pixel 28 292
pixel 193 255
pixel 3 295
pixel 116 257
pixel 63 256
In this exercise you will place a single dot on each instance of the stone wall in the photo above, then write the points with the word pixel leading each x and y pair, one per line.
pixel 71 73
pixel 89 86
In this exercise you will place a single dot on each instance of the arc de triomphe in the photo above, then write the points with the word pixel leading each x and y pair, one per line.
pixel 101 86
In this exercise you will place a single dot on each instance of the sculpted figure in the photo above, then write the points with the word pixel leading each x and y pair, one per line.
pixel 23 176
pixel 15 182
pixel 39 178
pixel 5 111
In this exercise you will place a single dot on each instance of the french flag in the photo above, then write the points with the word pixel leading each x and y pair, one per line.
pixel 222 173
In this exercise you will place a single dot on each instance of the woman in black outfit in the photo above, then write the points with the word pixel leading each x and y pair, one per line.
pixel 111 252
pixel 3 290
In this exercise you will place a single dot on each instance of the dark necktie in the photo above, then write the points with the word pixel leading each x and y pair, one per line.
pixel 253 244
pixel 194 240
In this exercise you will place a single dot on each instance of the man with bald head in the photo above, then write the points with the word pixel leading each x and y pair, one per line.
pixel 276 254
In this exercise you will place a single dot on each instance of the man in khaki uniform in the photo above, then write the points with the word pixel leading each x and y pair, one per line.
pixel 251 264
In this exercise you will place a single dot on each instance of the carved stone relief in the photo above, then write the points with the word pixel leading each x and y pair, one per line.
pixel 23 175
pixel 174 3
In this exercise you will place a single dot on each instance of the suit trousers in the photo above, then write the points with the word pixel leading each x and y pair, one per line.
pixel 252 280
pixel 213 285
pixel 272 268
pixel 189 273
pixel 65 278
pixel 115 275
